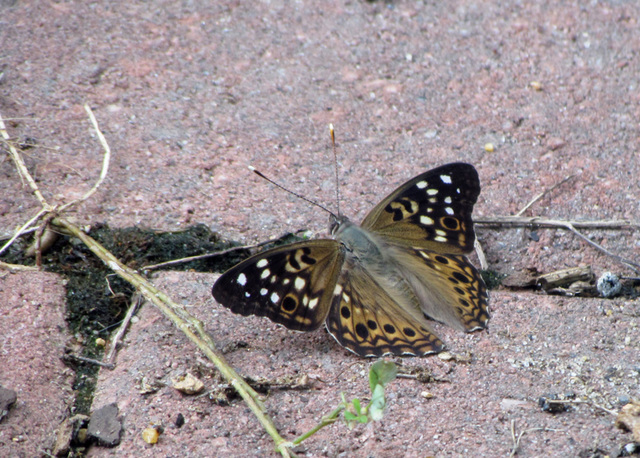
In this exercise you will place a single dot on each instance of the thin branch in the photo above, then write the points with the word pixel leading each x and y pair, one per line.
pixel 539 221
pixel 135 303
pixel 542 194
pixel 517 438
pixel 16 267
pixel 21 167
pixel 24 228
pixel 570 226
pixel 204 256
pixel 178 315
pixel 105 161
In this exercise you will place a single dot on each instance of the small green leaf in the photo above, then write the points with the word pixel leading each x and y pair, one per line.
pixel 349 416
pixel 376 407
pixel 356 405
pixel 381 373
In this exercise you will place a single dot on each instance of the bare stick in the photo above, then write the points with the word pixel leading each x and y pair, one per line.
pixel 539 196
pixel 105 161
pixel 21 167
pixel 539 221
pixel 136 300
pixel 204 256
pixel 517 438
pixel 570 226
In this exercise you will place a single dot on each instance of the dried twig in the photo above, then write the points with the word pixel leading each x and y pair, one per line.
pixel 136 300
pixel 514 221
pixel 516 438
pixel 539 196
pixel 204 256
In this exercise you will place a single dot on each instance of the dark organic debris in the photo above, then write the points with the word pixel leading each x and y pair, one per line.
pixel 555 403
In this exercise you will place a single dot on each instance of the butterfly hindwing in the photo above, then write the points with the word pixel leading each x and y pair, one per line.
pixel 365 319
pixel 431 211
pixel 448 287
pixel 291 285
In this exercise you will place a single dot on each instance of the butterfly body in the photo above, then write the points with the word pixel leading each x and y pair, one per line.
pixel 375 284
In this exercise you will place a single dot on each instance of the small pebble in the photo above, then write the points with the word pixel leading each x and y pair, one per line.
pixel 536 85
pixel 609 285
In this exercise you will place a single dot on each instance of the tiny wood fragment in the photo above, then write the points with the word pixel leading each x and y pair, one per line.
pixel 566 277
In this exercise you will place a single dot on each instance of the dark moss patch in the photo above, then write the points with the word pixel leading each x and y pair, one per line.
pixel 492 278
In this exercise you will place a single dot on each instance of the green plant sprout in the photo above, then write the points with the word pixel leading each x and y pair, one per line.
pixel 380 374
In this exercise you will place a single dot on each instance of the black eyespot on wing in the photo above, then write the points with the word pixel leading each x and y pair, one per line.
pixel 372 325
pixel 409 332
pixel 460 277
pixel 450 223
pixel 362 331
pixel 345 312
pixel 388 328
pixel 289 304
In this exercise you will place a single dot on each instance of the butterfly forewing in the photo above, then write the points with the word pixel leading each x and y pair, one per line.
pixel 369 322
pixel 431 211
pixel 291 285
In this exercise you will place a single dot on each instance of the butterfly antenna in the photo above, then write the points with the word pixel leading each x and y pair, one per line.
pixel 335 165
pixel 261 175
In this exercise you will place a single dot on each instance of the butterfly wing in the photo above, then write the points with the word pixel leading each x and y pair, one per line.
pixel 292 285
pixel 424 227
pixel 431 211
pixel 448 287
pixel 366 320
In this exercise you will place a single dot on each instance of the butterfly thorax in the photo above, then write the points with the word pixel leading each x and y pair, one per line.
pixel 367 252
pixel 358 242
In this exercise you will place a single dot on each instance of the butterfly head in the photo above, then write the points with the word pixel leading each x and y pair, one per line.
pixel 335 222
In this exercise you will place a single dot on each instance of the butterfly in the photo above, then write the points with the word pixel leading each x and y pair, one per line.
pixel 375 285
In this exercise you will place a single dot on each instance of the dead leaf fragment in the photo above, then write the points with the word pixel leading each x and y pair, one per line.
pixel 629 419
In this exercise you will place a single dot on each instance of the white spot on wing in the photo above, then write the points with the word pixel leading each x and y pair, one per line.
pixel 264 291
pixel 440 239
pixel 286 281
pixel 275 298
pixel 449 210
pixel 447 200
pixel 432 192
pixel 265 273
pixel 262 263
pixel 441 232
pixel 299 283
pixel 247 294
pixel 337 290
pixel 313 302
pixel 426 220
pixel 421 184
pixel 242 279
pixel 346 298
pixel 446 179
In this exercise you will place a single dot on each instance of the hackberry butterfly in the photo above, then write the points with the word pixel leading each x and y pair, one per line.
pixel 374 284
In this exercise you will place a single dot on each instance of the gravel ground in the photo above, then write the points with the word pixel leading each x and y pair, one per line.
pixel 188 94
